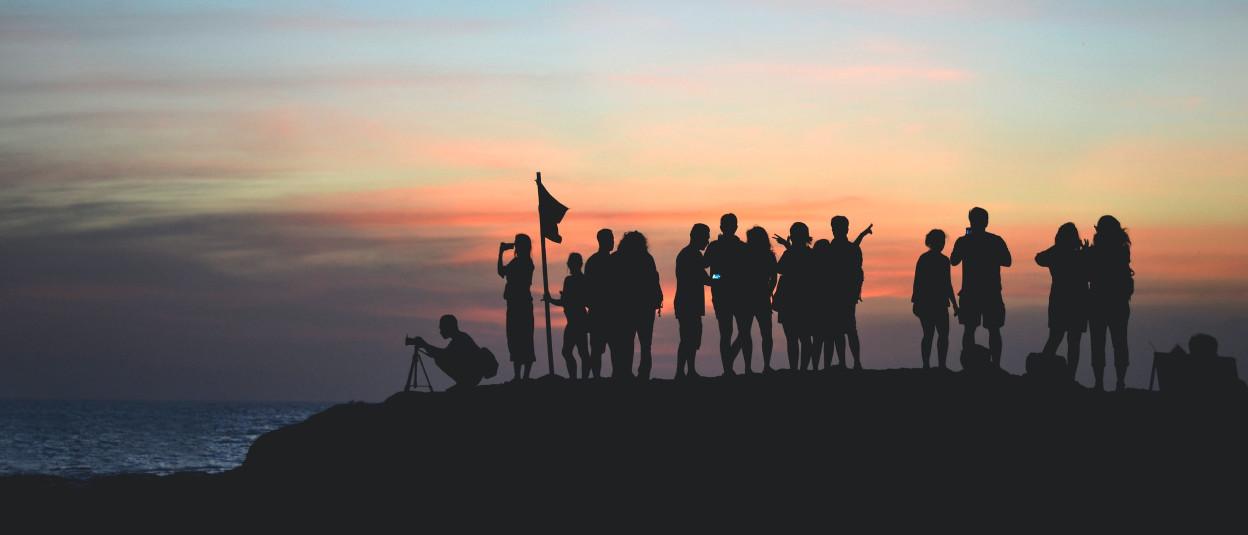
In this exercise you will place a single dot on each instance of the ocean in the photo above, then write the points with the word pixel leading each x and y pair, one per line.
pixel 84 439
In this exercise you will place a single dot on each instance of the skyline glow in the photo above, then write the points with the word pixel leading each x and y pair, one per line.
pixel 253 199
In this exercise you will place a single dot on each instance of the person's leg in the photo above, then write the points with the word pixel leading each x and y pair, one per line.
pixel 1096 331
pixel 744 339
pixel 645 335
pixel 1118 337
pixel 792 343
pixel 1073 337
pixel 1054 340
pixel 942 339
pixel 994 345
pixel 838 346
pixel 725 320
pixel 968 337
pixel 925 344
pixel 569 343
pixel 811 353
pixel 764 334
pixel 685 347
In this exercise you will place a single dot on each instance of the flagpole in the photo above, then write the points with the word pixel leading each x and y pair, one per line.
pixel 550 345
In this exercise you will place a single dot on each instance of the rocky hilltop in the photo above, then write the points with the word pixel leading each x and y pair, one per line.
pixel 874 448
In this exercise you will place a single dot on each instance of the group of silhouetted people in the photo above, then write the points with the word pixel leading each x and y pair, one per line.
pixel 814 289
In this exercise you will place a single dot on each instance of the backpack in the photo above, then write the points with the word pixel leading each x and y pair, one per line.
pixel 487 362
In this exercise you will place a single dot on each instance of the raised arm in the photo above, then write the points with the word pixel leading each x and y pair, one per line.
pixel 863 234
pixel 783 242
pixel 502 270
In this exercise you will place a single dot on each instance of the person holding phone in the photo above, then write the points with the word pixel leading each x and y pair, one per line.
pixel 519 276
pixel 984 254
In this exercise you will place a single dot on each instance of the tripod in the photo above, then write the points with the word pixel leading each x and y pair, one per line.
pixel 413 373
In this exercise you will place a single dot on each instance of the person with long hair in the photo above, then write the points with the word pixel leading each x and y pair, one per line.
pixel 519 276
pixel 1112 284
pixel 640 297
pixel 1068 295
pixel 793 300
pixel 759 281
pixel 932 296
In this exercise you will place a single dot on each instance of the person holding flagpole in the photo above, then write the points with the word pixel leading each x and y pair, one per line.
pixel 519 276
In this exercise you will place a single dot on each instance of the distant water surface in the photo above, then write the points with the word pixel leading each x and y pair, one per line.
pixel 83 439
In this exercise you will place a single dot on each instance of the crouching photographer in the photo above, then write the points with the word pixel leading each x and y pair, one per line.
pixel 462 359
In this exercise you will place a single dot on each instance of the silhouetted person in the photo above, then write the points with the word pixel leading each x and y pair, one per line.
pixel 845 277
pixel 985 254
pixel 758 279
pixel 820 288
pixel 1112 284
pixel 640 297
pixel 794 299
pixel 573 298
pixel 932 296
pixel 724 257
pixel 458 360
pixel 1068 295
pixel 690 301
pixel 603 308
pixel 519 275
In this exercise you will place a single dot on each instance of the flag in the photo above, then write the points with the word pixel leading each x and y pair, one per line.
pixel 551 213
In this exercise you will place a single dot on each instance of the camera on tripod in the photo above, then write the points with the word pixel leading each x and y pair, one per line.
pixel 417 341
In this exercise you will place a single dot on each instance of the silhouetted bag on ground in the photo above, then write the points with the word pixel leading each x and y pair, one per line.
pixel 1047 367
pixel 976 358
pixel 488 363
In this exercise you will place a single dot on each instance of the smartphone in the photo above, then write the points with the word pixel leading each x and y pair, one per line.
pixel 968 231
pixel 508 246
pixel 715 276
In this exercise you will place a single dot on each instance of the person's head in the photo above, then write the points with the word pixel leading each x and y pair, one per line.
pixel 1067 236
pixel 633 242
pixel 575 262
pixel 840 226
pixel 728 224
pixel 757 238
pixel 799 233
pixel 448 326
pixel 1202 345
pixel 1110 232
pixel 524 246
pixel 606 240
pixel 935 240
pixel 821 245
pixel 978 218
pixel 700 235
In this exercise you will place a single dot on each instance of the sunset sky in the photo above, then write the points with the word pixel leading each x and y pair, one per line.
pixel 258 200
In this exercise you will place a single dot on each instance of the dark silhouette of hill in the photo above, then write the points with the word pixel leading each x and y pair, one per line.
pixel 879 449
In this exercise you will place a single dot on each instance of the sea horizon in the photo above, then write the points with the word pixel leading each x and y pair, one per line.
pixel 84 439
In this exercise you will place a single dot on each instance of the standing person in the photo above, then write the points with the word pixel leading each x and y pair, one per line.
pixel 576 333
pixel 985 254
pixel 820 288
pixel 519 275
pixel 932 296
pixel 758 276
pixel 640 296
pixel 1068 294
pixel 602 306
pixel 793 299
pixel 845 277
pixel 690 301
pixel 724 257
pixel 1112 284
